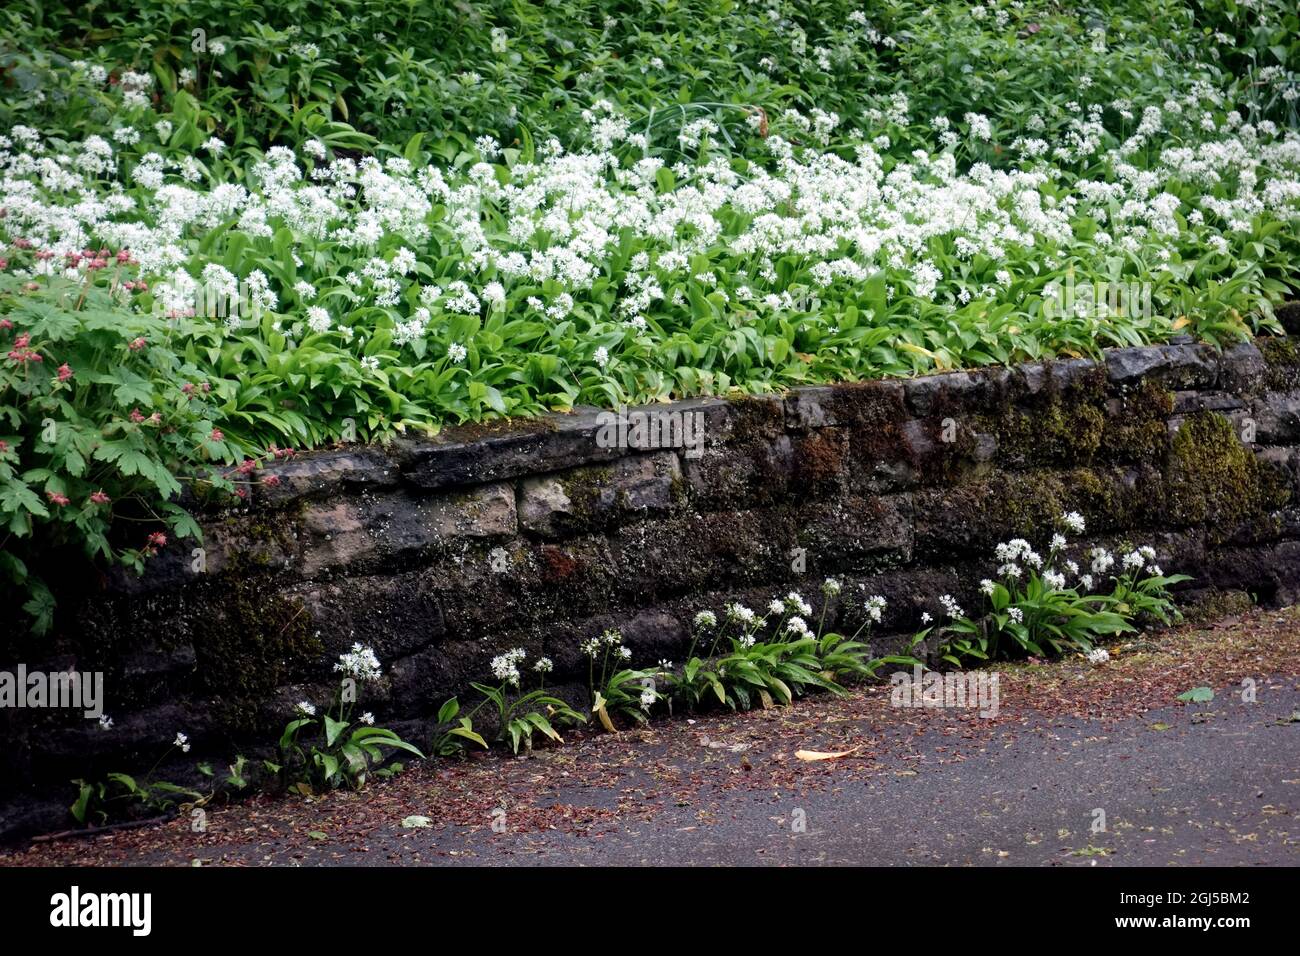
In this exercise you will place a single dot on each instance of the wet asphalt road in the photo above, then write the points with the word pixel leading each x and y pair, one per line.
pixel 1074 772
pixel 1185 785
pixel 1220 786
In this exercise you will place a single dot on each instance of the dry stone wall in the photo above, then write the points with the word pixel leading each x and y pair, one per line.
pixel 443 552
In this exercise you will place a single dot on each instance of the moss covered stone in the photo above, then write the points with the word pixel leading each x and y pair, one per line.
pixel 255 641
pixel 1059 426
pixel 1282 363
pixel 1213 479
pixel 1061 432
pixel 1136 426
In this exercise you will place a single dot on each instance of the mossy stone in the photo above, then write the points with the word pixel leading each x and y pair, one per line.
pixel 1215 480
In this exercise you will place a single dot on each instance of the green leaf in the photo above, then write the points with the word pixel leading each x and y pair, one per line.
pixel 15 495
pixel 333 729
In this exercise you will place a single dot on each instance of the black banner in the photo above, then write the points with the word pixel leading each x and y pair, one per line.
pixel 190 906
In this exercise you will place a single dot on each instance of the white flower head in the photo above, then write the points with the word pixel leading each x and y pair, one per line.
pixel 738 612
pixel 359 663
pixel 318 320
pixel 1102 560
pixel 951 606
pixel 505 667
pixel 1073 521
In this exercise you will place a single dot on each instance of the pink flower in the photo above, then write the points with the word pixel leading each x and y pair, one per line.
pixel 155 541
pixel 136 416
pixel 136 345
pixel 57 498
pixel 100 498
pixel 65 372
pixel 216 435
pixel 271 480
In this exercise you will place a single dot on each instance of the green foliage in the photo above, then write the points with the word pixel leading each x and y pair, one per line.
pixel 630 693
pixel 791 662
pixel 1034 608
pixel 452 71
pixel 334 750
pixel 451 733
pixel 121 794
pixel 102 416
pixel 519 717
